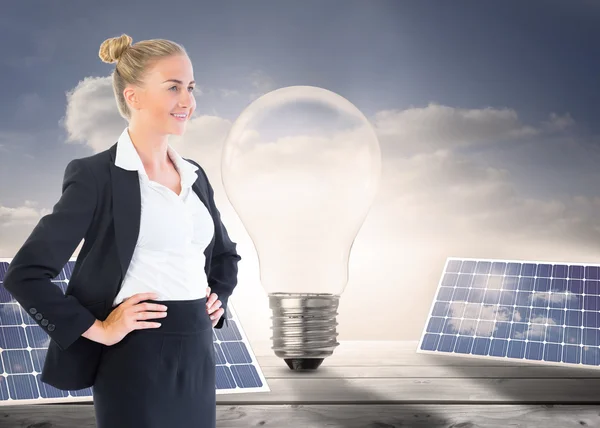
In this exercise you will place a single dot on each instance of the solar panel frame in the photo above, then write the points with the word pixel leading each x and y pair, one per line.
pixel 580 272
pixel 236 363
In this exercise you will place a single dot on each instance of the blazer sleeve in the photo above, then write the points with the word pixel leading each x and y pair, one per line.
pixel 45 252
pixel 223 273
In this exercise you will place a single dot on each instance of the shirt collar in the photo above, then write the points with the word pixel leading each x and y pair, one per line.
pixel 128 158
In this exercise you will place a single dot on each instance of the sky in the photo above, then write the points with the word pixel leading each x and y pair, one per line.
pixel 486 114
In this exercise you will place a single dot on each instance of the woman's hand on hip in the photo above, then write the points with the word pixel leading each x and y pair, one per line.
pixel 213 307
pixel 131 315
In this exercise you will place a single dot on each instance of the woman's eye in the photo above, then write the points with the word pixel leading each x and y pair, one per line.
pixel 190 88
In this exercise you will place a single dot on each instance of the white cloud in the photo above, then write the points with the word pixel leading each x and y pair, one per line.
pixel 537 329
pixel 437 127
pixel 15 225
pixel 92 117
pixel 482 320
pixel 26 215
pixel 549 297
pixel 437 193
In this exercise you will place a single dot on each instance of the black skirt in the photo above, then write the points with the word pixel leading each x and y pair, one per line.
pixel 160 377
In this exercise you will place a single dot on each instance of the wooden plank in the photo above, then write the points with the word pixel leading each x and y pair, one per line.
pixel 402 353
pixel 420 372
pixel 425 390
pixel 336 416
pixel 370 358
pixel 384 347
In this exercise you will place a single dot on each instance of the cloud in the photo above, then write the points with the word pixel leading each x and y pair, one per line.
pixel 538 198
pixel 436 191
pixel 27 215
pixel 91 115
pixel 437 127
pixel 16 223
pixel 429 191
pixel 485 320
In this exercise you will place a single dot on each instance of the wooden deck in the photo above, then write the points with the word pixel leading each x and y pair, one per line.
pixel 382 385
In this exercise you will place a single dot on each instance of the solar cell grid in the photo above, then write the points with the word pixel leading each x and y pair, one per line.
pixel 524 310
pixel 23 346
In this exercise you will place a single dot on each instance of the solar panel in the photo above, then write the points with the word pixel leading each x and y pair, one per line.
pixel 529 311
pixel 23 347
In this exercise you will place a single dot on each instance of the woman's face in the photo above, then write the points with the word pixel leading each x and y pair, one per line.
pixel 168 90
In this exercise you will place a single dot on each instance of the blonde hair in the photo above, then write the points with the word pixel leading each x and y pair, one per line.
pixel 133 62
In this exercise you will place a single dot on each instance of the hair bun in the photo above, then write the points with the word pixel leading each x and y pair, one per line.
pixel 112 49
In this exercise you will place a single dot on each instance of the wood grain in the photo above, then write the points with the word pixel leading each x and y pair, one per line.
pixel 383 384
pixel 336 416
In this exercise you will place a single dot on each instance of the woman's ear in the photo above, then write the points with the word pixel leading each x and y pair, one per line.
pixel 134 97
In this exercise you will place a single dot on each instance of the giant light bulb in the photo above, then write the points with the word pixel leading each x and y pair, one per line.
pixel 301 167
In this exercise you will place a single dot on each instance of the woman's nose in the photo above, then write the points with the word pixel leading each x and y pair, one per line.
pixel 186 100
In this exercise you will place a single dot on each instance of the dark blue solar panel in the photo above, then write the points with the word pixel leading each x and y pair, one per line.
pixel 3 269
pixel 529 311
pixel 23 346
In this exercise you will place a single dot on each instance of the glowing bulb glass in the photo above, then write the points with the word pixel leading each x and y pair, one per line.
pixel 301 167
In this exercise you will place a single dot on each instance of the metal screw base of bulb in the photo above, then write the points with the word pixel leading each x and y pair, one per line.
pixel 304 330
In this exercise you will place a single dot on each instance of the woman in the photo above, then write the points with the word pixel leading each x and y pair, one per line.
pixel 136 320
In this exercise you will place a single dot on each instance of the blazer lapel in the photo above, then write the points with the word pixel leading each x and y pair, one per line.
pixel 201 195
pixel 204 198
pixel 127 208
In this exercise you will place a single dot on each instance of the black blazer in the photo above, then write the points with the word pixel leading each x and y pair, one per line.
pixel 100 203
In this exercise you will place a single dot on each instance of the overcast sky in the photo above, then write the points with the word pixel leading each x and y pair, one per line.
pixel 486 113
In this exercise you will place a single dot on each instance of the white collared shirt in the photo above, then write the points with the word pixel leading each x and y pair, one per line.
pixel 174 232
